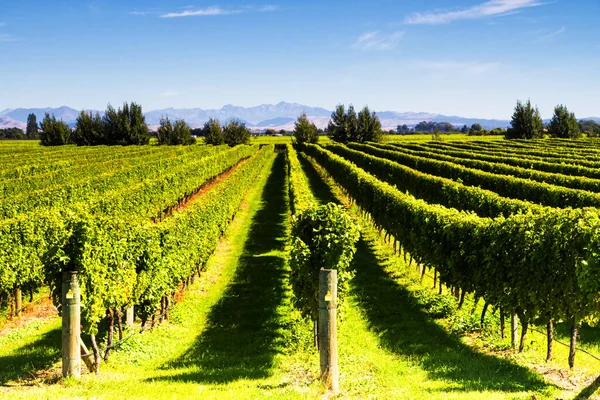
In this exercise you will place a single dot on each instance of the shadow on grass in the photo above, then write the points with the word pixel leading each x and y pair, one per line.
pixel 25 361
pixel 587 392
pixel 406 330
pixel 243 331
pixel 321 190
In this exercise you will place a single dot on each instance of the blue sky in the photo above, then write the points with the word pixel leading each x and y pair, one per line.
pixel 467 58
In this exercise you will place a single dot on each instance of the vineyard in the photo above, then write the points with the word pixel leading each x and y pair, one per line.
pixel 474 257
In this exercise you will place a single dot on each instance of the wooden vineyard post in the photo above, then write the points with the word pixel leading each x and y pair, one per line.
pixel 129 317
pixel 71 330
pixel 328 328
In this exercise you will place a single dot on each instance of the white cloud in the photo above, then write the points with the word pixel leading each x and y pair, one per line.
pixel 209 11
pixel 491 8
pixel 268 8
pixel 2 23
pixel 378 41
pixel 138 12
pixel 454 66
pixel 7 38
pixel 169 93
pixel 548 36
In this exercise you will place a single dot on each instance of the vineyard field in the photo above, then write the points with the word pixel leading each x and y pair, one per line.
pixel 475 275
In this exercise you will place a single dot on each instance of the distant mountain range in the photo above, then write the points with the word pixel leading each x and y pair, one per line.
pixel 275 116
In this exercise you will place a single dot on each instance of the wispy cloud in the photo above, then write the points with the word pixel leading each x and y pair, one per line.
pixel 209 11
pixel 139 12
pixel 169 93
pixel 268 8
pixel 491 8
pixel 548 36
pixel 378 41
pixel 2 23
pixel 7 38
pixel 473 67
pixel 213 11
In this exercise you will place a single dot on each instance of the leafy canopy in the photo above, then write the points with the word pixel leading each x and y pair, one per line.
pixel 347 126
pixel 178 133
pixel 305 131
pixel 563 124
pixel 526 122
pixel 54 132
pixel 235 133
pixel 323 237
pixel 212 132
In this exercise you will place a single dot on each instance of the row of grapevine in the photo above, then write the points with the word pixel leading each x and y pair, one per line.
pixel 322 237
pixel 129 185
pixel 124 261
pixel 97 171
pixel 301 197
pixel 507 186
pixel 541 266
pixel 557 179
pixel 435 189
pixel 506 147
pixel 565 166
pixel 27 239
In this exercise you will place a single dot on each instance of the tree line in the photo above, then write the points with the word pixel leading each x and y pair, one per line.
pixel 127 126
pixel 526 123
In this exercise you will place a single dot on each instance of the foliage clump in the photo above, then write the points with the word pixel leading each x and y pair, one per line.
pixel 323 237
pixel 54 132
pixel 305 131
pixel 177 133
pixel 526 122
pixel 347 126
pixel 564 124
pixel 236 132
pixel 213 133
pixel 123 126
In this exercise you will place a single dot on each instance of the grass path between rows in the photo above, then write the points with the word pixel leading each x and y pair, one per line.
pixel 390 348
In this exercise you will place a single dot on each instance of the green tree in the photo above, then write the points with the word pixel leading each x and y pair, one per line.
pixel 337 126
pixel 111 124
pixel 133 125
pixel 54 132
pixel 526 122
pixel 212 132
pixel 589 127
pixel 464 129
pixel 12 133
pixel 235 133
pixel 178 133
pixel 270 132
pixel 403 129
pixel 352 125
pixel 563 124
pixel 89 130
pixel 32 127
pixel 125 126
pixel 368 127
pixel 305 131
pixel 475 129
pixel 347 126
